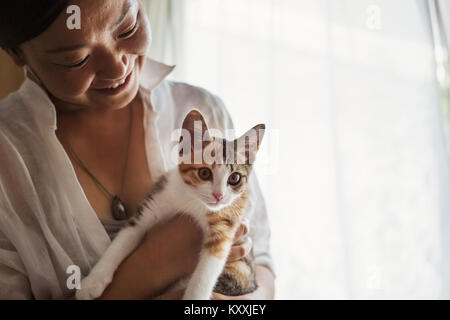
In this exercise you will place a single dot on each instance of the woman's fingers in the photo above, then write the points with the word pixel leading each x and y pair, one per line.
pixel 239 251
pixel 242 243
pixel 242 231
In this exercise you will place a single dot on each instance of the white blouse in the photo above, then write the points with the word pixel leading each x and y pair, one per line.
pixel 46 221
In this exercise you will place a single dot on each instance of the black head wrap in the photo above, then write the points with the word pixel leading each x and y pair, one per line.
pixel 23 20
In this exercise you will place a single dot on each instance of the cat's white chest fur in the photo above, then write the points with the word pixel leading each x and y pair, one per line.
pixel 193 194
pixel 172 198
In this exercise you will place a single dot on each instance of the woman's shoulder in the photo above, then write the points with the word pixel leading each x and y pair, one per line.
pixel 12 111
pixel 182 91
pixel 20 134
pixel 188 90
pixel 15 111
pixel 174 98
pixel 26 110
pixel 185 96
pixel 8 107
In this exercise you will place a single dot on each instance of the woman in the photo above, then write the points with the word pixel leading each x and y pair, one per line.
pixel 91 122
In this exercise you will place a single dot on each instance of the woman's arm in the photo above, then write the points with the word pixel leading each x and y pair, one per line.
pixel 167 253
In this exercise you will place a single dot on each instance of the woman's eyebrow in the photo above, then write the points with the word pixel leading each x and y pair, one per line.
pixel 126 8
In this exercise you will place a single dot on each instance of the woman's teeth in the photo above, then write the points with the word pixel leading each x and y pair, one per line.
pixel 115 86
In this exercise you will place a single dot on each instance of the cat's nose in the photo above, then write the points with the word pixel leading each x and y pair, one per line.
pixel 218 196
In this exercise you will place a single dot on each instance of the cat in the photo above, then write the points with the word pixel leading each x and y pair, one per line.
pixel 214 193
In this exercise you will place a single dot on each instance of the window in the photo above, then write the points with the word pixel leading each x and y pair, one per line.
pixel 354 169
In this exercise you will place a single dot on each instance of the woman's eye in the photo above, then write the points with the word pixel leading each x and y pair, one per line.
pixel 80 63
pixel 128 34
pixel 204 173
pixel 234 178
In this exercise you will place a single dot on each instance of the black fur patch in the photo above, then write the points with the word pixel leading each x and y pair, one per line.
pixel 231 284
pixel 139 212
pixel 159 185
pixel 157 188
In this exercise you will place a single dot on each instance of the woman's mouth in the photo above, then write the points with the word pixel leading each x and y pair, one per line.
pixel 117 87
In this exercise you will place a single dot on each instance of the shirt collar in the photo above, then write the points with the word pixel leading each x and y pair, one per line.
pixel 34 96
pixel 153 73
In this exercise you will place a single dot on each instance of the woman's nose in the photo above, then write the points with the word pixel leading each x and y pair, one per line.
pixel 115 68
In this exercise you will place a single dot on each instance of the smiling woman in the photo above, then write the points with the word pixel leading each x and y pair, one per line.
pixel 106 51
pixel 95 118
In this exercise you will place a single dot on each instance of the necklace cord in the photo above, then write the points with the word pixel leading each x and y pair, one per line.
pixel 97 182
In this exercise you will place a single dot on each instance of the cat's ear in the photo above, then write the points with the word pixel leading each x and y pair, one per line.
pixel 249 143
pixel 195 124
pixel 195 135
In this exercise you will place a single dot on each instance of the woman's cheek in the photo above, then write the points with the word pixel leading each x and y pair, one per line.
pixel 70 85
pixel 141 40
pixel 138 45
pixel 145 31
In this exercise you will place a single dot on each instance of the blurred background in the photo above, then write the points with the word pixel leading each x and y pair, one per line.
pixel 356 164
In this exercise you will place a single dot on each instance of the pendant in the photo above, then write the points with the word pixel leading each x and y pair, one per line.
pixel 118 209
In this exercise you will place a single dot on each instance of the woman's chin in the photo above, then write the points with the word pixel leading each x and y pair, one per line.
pixel 108 102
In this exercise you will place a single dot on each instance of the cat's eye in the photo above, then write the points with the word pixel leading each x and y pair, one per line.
pixel 204 173
pixel 234 178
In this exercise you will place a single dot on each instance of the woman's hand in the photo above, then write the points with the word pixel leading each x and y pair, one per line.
pixel 242 244
pixel 264 277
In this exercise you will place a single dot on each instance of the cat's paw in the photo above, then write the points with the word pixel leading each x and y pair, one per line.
pixel 93 286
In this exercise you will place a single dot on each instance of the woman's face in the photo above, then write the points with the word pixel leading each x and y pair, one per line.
pixel 79 67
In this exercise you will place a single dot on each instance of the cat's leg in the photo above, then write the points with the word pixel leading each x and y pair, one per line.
pixel 219 230
pixel 208 270
pixel 102 274
pixel 126 241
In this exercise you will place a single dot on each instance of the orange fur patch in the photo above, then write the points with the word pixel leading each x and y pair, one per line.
pixel 223 225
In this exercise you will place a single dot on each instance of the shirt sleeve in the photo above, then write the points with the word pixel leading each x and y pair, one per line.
pixel 14 284
pixel 256 210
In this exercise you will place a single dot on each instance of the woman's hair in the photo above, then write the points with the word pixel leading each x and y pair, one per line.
pixel 23 20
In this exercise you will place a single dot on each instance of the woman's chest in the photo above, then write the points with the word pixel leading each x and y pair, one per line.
pixel 131 187
pixel 116 167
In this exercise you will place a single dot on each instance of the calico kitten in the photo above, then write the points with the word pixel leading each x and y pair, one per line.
pixel 214 193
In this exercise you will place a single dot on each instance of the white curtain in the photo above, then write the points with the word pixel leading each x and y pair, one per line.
pixel 167 21
pixel 440 21
pixel 354 168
